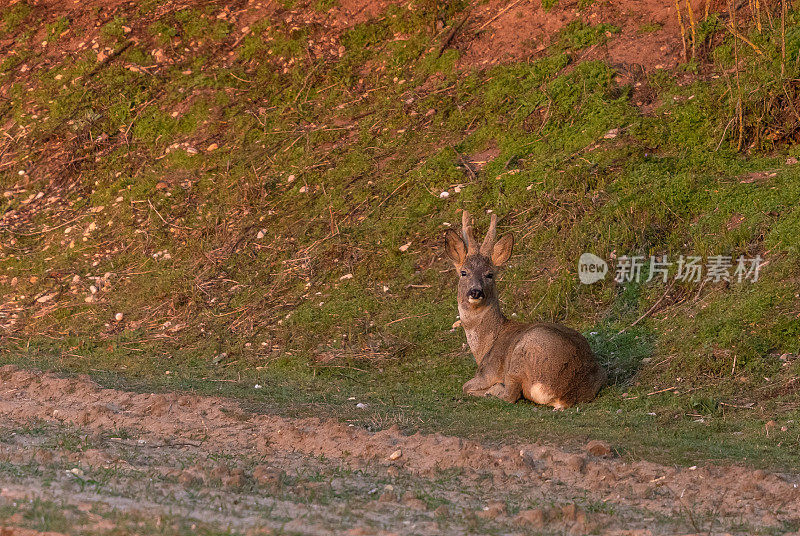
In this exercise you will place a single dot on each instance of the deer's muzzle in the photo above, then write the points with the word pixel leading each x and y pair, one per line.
pixel 475 295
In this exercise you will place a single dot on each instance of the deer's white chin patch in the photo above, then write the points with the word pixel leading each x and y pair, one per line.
pixel 474 300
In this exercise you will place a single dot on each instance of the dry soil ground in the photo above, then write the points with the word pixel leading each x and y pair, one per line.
pixel 110 458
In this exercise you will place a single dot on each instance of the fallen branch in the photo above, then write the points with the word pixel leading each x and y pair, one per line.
pixel 649 311
pixel 451 34
pixel 743 38
pixel 407 318
pixel 488 22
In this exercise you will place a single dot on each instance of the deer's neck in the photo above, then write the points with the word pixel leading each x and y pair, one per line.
pixel 482 326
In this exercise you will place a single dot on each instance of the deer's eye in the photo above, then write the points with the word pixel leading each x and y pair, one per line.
pixel 489 275
pixel 463 273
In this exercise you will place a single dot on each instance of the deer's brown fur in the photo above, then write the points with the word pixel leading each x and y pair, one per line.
pixel 546 363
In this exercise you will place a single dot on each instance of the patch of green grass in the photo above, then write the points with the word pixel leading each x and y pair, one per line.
pixel 163 32
pixel 649 27
pixel 14 15
pixel 56 28
pixel 47 516
pixel 114 31
pixel 325 5
pixel 578 35
pixel 547 5
pixel 197 25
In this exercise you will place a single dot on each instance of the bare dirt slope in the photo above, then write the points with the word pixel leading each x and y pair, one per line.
pixel 647 32
pixel 189 460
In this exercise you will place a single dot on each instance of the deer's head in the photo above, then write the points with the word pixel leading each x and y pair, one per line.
pixel 476 264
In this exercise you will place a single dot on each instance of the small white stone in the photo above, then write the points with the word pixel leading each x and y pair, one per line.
pixel 290 178
pixel 361 405
pixel 118 317
pixel 257 386
pixel 260 234
pixel 93 289
pixel 444 195
pixel 396 454
pixel 405 247
pixel 346 276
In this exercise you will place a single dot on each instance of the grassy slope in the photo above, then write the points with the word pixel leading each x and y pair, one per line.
pixel 326 167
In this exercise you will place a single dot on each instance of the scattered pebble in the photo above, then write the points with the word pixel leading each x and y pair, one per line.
pixel 405 247
pixel 345 277
pixel 388 496
pixel 444 195
pixel 118 317
pixel 598 448
pixel 396 454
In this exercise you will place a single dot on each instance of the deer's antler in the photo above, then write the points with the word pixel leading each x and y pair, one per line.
pixel 491 237
pixel 469 233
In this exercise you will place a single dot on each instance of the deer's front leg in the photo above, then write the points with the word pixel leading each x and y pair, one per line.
pixel 477 386
pixel 510 391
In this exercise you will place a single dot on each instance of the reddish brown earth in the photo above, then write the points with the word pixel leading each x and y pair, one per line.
pixel 649 35
pixel 163 446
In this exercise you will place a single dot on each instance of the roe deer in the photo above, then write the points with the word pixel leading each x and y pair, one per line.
pixel 546 363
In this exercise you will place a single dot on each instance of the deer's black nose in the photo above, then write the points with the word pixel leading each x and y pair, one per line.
pixel 475 294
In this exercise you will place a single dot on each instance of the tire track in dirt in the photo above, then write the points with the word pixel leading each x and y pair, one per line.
pixel 643 496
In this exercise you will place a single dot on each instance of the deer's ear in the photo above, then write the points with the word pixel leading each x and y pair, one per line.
pixel 502 250
pixel 454 247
